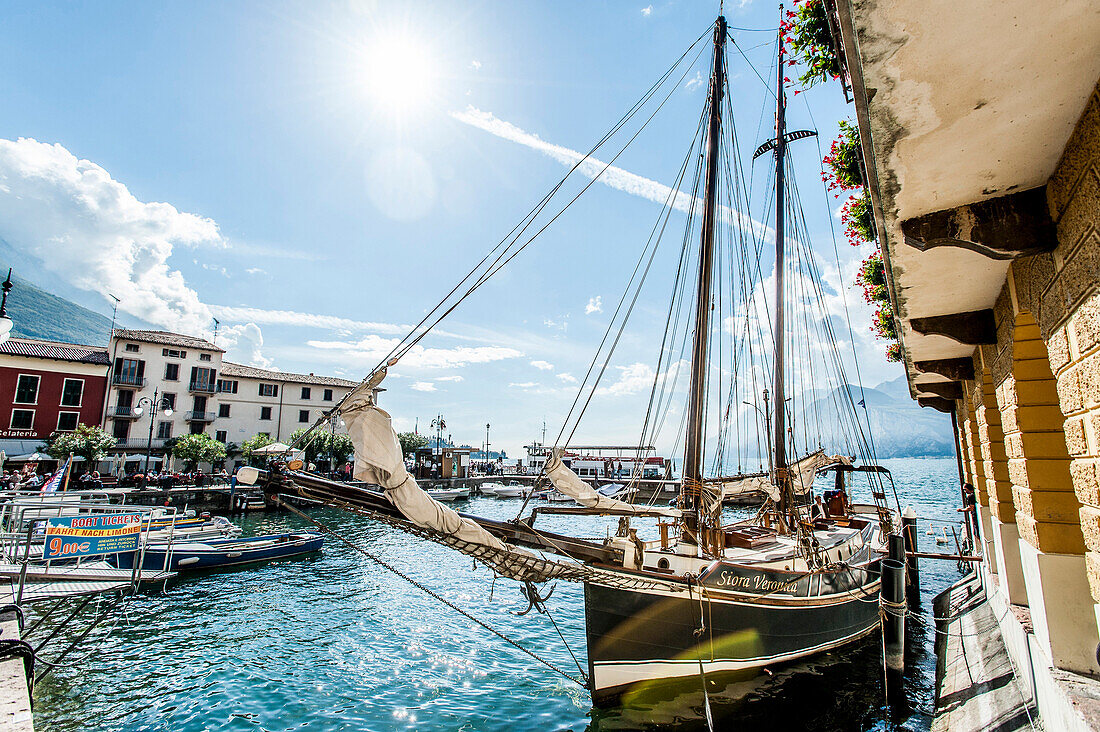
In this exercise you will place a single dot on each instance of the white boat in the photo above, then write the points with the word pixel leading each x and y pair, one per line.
pixel 449 494
pixel 553 496
pixel 512 490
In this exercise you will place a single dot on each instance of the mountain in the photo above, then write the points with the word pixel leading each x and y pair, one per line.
pixel 898 426
pixel 36 313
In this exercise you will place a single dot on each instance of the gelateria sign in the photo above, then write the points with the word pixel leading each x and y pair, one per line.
pixel 82 536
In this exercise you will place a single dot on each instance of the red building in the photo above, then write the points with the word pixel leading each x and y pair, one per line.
pixel 47 387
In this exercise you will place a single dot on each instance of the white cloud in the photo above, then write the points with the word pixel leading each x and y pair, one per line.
pixel 524 384
pixel 632 379
pixel 567 378
pixel 255 271
pixel 248 339
pixel 695 82
pixel 88 228
pixel 610 175
pixel 647 10
pixel 595 305
pixel 475 65
pixel 454 377
pixel 372 348
pixel 423 386
pixel 543 365
pixel 308 320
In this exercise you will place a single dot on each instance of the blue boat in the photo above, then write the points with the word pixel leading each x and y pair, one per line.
pixel 217 553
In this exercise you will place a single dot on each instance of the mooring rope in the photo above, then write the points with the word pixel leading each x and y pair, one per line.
pixel 431 593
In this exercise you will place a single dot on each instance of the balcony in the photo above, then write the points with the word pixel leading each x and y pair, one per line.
pixel 121 412
pixel 202 387
pixel 139 443
pixel 128 380
pixel 200 416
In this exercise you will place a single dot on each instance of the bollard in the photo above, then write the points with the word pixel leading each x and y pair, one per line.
pixel 892 602
pixel 912 578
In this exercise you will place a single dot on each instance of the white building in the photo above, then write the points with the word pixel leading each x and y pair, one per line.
pixel 229 401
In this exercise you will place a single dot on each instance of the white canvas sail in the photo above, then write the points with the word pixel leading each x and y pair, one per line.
pixel 569 483
pixel 801 473
pixel 378 460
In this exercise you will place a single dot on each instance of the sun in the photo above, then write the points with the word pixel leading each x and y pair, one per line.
pixel 398 73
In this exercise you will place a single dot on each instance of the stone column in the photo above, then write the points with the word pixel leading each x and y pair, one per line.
pixel 976 470
pixel 1006 536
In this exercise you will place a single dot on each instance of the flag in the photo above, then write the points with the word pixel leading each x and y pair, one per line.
pixel 862 403
pixel 55 480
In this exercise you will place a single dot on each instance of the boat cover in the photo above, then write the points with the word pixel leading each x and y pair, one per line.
pixel 569 483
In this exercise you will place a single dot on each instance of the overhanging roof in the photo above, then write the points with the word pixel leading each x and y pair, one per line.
pixel 960 103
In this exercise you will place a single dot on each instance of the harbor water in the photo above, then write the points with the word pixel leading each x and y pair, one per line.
pixel 335 641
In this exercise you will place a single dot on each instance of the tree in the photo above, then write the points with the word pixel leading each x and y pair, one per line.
pixel 317 447
pixel 90 443
pixel 341 448
pixel 411 442
pixel 200 448
pixel 254 443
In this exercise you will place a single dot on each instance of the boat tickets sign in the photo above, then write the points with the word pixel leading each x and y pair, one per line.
pixel 82 536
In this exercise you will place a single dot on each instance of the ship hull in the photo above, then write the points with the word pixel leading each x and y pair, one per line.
pixel 642 638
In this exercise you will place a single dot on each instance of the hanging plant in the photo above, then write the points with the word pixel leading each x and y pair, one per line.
pixel 882 323
pixel 893 352
pixel 806 30
pixel 858 220
pixel 844 163
pixel 872 277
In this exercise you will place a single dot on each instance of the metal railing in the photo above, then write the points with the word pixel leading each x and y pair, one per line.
pixel 140 443
pixel 128 380
pixel 200 416
pixel 203 386
pixel 121 412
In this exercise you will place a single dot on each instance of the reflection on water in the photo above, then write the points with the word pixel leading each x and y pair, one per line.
pixel 335 642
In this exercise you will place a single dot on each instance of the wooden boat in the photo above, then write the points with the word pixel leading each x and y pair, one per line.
pixel 216 553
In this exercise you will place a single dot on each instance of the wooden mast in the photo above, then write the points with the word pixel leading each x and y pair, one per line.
pixel 782 480
pixel 693 453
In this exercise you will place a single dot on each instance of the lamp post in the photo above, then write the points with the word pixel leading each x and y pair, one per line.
pixel 486 443
pixel 5 321
pixel 155 404
pixel 439 425
pixel 767 423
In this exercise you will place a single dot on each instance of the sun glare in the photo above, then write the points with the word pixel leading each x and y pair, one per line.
pixel 398 73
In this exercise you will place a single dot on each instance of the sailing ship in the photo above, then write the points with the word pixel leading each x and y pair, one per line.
pixel 704 597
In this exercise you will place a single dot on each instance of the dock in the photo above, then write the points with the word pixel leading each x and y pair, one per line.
pixel 15 698
pixel 976 685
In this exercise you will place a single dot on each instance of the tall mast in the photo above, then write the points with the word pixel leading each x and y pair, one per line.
pixel 693 454
pixel 780 449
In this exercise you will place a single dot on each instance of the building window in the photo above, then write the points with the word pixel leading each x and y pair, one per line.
pixel 221 436
pixel 121 429
pixel 204 356
pixel 26 389
pixel 171 372
pixel 132 348
pixel 72 392
pixel 226 386
pixel 303 415
pixel 328 395
pixel 174 353
pixel 265 412
pixel 202 379
pixel 67 421
pixel 169 401
pixel 129 371
pixel 270 390
pixel 164 430
pixel 223 410
pixel 306 391
pixel 22 419
pixel 197 428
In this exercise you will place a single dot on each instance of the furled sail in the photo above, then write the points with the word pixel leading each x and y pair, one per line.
pixel 802 475
pixel 569 483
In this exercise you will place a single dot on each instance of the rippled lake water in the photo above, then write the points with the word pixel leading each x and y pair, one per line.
pixel 335 642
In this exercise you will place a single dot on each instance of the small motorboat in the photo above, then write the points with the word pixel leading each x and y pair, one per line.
pixel 189 555
pixel 512 490
pixel 553 496
pixel 448 494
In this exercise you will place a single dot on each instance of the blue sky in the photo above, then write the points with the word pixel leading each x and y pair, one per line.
pixel 318 174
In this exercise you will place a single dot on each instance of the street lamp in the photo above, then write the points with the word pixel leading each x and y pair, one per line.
pixel 155 405
pixel 5 321
pixel 486 443
pixel 767 425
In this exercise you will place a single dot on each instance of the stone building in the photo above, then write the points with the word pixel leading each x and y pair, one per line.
pixel 980 129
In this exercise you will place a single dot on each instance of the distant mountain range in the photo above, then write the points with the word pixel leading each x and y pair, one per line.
pixel 898 426
pixel 36 313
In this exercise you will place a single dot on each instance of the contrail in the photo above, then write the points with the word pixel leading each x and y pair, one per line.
pixel 613 177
